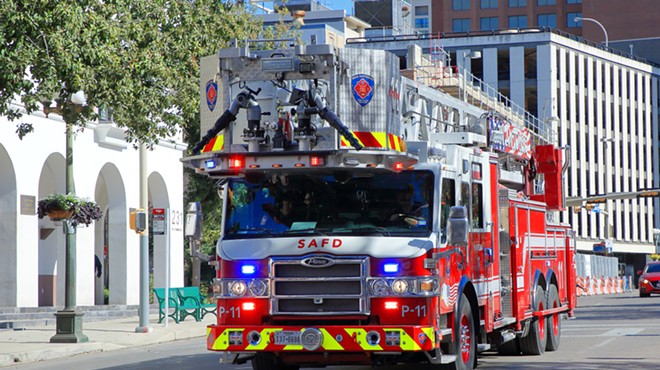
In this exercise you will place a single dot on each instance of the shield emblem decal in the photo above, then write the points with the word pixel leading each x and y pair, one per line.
pixel 211 94
pixel 363 88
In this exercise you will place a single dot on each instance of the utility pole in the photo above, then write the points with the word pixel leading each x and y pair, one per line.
pixel 144 247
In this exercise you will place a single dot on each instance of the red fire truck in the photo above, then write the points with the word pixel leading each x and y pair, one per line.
pixel 371 219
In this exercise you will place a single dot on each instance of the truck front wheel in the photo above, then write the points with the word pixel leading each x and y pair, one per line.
pixel 465 337
pixel 267 361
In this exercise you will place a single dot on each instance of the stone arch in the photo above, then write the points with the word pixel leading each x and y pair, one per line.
pixel 110 236
pixel 52 239
pixel 8 231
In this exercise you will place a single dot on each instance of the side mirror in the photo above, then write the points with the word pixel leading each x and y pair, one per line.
pixel 457 226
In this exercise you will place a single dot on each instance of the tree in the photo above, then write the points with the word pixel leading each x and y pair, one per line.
pixel 137 58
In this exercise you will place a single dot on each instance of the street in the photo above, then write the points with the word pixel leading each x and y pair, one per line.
pixel 610 332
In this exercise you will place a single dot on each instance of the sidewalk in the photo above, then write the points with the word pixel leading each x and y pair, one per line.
pixel 33 344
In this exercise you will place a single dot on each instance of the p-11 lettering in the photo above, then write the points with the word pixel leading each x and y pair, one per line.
pixel 420 310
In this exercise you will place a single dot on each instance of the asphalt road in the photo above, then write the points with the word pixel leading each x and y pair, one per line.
pixel 610 332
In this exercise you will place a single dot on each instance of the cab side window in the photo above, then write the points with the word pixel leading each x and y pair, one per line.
pixel 477 210
pixel 448 200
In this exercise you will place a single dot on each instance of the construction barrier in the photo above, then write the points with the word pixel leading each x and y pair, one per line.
pixel 590 285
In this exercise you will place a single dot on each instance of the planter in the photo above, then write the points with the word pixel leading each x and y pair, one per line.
pixel 59 214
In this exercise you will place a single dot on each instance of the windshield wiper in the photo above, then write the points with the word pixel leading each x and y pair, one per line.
pixel 253 230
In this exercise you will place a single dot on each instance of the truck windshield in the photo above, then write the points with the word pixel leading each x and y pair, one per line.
pixel 379 204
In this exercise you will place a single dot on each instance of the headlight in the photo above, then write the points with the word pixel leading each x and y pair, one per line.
pixel 258 288
pixel 400 286
pixel 380 287
pixel 645 281
pixel 237 288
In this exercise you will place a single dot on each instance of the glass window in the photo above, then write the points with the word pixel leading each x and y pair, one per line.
pixel 460 5
pixel 570 19
pixel 324 204
pixel 547 20
pixel 477 208
pixel 489 23
pixel 517 3
pixel 488 4
pixel 546 2
pixel 573 1
pixel 421 23
pixel 448 201
pixel 461 25
pixel 518 21
pixel 421 10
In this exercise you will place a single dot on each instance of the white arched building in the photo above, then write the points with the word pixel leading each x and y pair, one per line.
pixel 105 169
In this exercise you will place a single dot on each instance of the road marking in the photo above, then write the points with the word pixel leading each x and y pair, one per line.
pixel 621 332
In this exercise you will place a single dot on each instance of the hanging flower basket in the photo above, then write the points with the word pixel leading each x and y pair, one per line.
pixel 59 214
pixel 60 207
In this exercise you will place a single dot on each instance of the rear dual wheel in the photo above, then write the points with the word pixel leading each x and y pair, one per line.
pixel 553 321
pixel 535 341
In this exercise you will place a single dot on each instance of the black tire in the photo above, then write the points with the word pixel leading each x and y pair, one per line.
pixel 553 322
pixel 644 295
pixel 535 340
pixel 465 337
pixel 267 361
pixel 510 348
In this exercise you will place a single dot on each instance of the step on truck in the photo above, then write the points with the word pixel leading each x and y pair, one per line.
pixel 372 220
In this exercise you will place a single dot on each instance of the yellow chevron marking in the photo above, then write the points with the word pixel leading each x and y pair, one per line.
pixel 265 339
pixel 361 338
pixel 222 341
pixel 329 342
pixel 431 334
pixel 407 343
pixel 381 137
pixel 345 142
pixel 219 143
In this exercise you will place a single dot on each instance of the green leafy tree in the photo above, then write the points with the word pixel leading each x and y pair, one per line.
pixel 138 58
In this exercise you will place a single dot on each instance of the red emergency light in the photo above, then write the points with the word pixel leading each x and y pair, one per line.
pixel 236 163
pixel 398 166
pixel 391 305
pixel 316 161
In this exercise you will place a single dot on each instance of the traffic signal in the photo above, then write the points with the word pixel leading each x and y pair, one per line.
pixel 138 220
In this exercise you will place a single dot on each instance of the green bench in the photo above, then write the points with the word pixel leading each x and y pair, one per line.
pixel 183 302
pixel 192 296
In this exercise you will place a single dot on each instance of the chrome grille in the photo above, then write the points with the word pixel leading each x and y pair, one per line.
pixel 301 289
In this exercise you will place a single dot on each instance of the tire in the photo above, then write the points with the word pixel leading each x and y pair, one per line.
pixel 267 361
pixel 465 337
pixel 644 295
pixel 553 322
pixel 535 340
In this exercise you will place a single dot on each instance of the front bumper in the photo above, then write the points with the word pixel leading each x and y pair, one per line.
pixel 649 287
pixel 387 339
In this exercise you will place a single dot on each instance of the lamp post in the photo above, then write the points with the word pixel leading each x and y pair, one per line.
pixel 578 19
pixel 466 57
pixel 68 321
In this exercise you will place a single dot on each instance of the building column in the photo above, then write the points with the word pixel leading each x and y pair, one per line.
pixel 517 79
